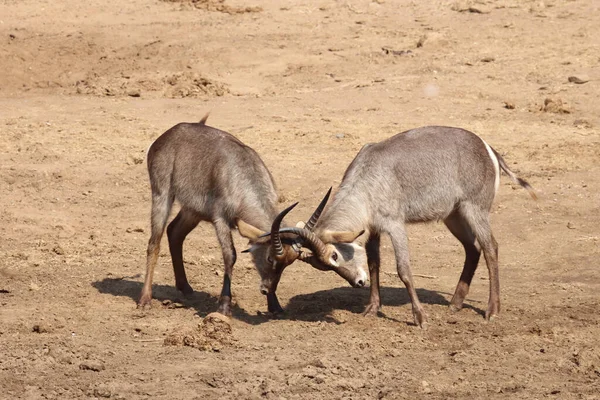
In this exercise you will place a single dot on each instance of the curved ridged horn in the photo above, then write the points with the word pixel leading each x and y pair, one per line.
pixel 314 261
pixel 310 239
pixel 310 225
pixel 277 246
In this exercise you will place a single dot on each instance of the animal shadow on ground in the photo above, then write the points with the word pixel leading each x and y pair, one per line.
pixel 204 303
pixel 318 306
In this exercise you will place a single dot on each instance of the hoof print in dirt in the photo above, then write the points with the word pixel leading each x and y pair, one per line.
pixel 212 334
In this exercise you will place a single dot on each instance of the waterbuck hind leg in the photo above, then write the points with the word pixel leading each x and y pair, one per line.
pixel 374 261
pixel 177 231
pixel 459 227
pixel 161 207
pixel 400 243
pixel 229 257
pixel 478 220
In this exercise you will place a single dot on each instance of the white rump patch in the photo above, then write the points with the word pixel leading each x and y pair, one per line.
pixel 148 150
pixel 496 165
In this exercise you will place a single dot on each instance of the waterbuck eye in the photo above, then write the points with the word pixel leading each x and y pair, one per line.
pixel 334 256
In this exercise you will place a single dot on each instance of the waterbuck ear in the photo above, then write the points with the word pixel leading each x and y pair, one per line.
pixel 340 236
pixel 248 231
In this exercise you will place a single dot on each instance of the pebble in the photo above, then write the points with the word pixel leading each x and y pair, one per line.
pixel 92 365
pixel 42 327
pixel 578 80
pixel 58 250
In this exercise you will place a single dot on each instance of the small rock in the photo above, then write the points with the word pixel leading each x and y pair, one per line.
pixel 578 80
pixel 431 39
pixel 293 379
pixel 34 287
pixel 383 393
pixel 58 250
pixel 393 52
pixel 309 371
pixel 582 123
pixel 570 225
pixel 340 136
pixel 134 93
pixel 130 230
pixel 102 391
pixel 488 59
pixel 554 106
pixel 509 106
pixel 135 160
pixel 92 365
pixel 41 327
pixel 426 387
pixel 466 6
pixel 320 378
pixel 321 363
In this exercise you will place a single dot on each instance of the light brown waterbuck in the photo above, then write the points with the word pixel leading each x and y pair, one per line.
pixel 217 178
pixel 431 173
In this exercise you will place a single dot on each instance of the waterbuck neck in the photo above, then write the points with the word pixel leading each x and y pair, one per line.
pixel 348 211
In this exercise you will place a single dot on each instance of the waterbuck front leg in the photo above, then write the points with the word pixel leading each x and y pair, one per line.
pixel 463 232
pixel 177 231
pixel 374 261
pixel 400 242
pixel 229 256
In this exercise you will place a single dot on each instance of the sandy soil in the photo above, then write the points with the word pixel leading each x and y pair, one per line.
pixel 87 86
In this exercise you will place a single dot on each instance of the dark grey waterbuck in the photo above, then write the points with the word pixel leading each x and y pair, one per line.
pixel 431 173
pixel 217 178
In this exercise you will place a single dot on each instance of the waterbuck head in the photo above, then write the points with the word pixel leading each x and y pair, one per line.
pixel 340 251
pixel 271 253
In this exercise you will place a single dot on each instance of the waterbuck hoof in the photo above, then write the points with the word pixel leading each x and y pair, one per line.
pixel 492 311
pixel 371 310
pixel 144 302
pixel 420 319
pixel 455 307
pixel 225 308
pixel 276 310
pixel 491 317
pixel 273 304
pixel 186 289
pixel 277 314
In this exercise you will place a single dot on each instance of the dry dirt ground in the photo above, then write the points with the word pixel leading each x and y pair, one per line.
pixel 85 87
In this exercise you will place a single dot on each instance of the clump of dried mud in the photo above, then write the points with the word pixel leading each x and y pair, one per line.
pixel 556 106
pixel 212 334
pixel 174 86
pixel 216 5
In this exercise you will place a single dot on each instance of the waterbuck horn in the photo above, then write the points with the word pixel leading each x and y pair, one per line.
pixel 310 225
pixel 277 246
pixel 309 258
pixel 311 240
